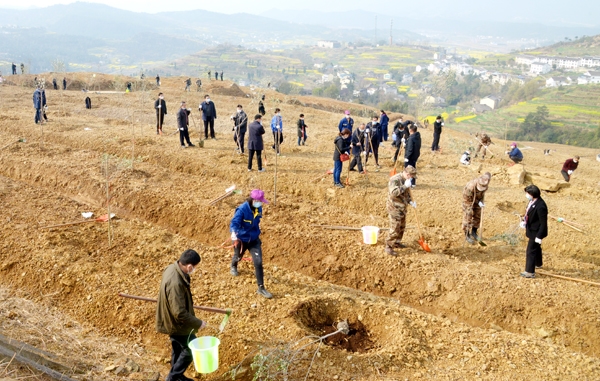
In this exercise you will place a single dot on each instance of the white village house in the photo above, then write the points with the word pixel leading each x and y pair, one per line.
pixel 558 81
pixel 538 68
pixel 589 77
pixel 491 101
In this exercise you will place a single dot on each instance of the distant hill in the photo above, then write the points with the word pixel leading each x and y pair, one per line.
pixel 91 36
pixel 583 46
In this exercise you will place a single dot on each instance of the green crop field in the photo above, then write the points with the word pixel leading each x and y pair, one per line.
pixel 569 107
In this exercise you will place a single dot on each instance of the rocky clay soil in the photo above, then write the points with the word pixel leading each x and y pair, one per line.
pixel 459 312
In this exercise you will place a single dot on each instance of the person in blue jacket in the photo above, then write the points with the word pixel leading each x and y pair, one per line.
pixel 245 235
pixel 383 122
pixel 347 122
pixel 277 128
pixel 39 102
pixel 515 154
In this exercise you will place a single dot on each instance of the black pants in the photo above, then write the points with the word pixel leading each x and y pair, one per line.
pixel 435 146
pixel 533 256
pixel 515 159
pixel 356 160
pixel 181 356
pixel 255 248
pixel 184 135
pixel 275 144
pixel 414 164
pixel 374 147
pixel 565 175
pixel 397 152
pixel 258 158
pixel 210 122
pixel 239 139
pixel 160 118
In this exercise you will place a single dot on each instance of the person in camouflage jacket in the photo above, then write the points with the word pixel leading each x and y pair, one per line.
pixel 483 140
pixel 398 198
pixel 473 197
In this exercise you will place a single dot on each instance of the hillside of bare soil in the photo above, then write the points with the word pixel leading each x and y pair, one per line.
pixel 459 312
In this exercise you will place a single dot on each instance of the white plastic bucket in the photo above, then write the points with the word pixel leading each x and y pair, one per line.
pixel 205 351
pixel 370 234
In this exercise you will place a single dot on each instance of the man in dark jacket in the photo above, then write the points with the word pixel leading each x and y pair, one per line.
pixel 88 103
pixel 569 167
pixel 346 122
pixel 401 135
pixel 373 130
pixel 64 83
pixel 261 106
pixel 437 132
pixel 54 84
pixel 240 120
pixel 383 121
pixel 14 69
pixel 161 110
pixel 183 123
pixel 413 149
pixel 175 312
pixel 255 142
pixel 39 102
pixel 536 229
pixel 157 80
pixel 302 136
pixel 245 235
pixel 216 75
pixel 358 147
pixel 209 114
pixel 221 75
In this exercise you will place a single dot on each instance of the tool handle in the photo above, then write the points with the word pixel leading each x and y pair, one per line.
pixel 208 309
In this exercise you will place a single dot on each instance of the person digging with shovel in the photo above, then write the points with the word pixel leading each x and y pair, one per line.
pixel 245 235
pixel 175 312
pixel 398 198
pixel 473 197
pixel 342 147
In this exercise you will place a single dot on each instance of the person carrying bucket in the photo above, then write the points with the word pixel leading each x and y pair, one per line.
pixel 245 235
pixel 175 312
pixel 398 198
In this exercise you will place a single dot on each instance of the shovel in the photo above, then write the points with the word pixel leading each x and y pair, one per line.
pixel 421 241
pixel 481 243
pixel 393 172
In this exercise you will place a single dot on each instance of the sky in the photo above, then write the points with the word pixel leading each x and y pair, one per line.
pixel 575 12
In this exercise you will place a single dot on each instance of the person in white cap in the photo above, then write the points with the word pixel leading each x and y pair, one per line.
pixel 245 235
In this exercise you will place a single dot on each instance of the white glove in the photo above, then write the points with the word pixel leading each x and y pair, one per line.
pixel 413 204
pixel 403 141
pixel 481 204
pixel 408 183
pixel 569 172
pixel 233 236
pixel 181 128
pixel 190 110
pixel 159 106
pixel 522 224
pixel 367 130
pixel 538 240
pixel 406 160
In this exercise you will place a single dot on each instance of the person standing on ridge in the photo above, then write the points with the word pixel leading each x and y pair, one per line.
pixel 14 69
pixel 277 129
pixel 346 122
pixel 437 132
pixel 221 75
pixel 569 167
pixel 398 199
pixel 175 312
pixel 183 123
pixel 383 121
pixel 188 84
pixel 209 114
pixel 245 235
pixel 261 106
pixel 536 229
pixel 54 84
pixel 157 80
pixel 302 136
pixel 412 150
pixel 161 110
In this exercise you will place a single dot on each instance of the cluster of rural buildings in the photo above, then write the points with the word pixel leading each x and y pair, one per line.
pixel 545 64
